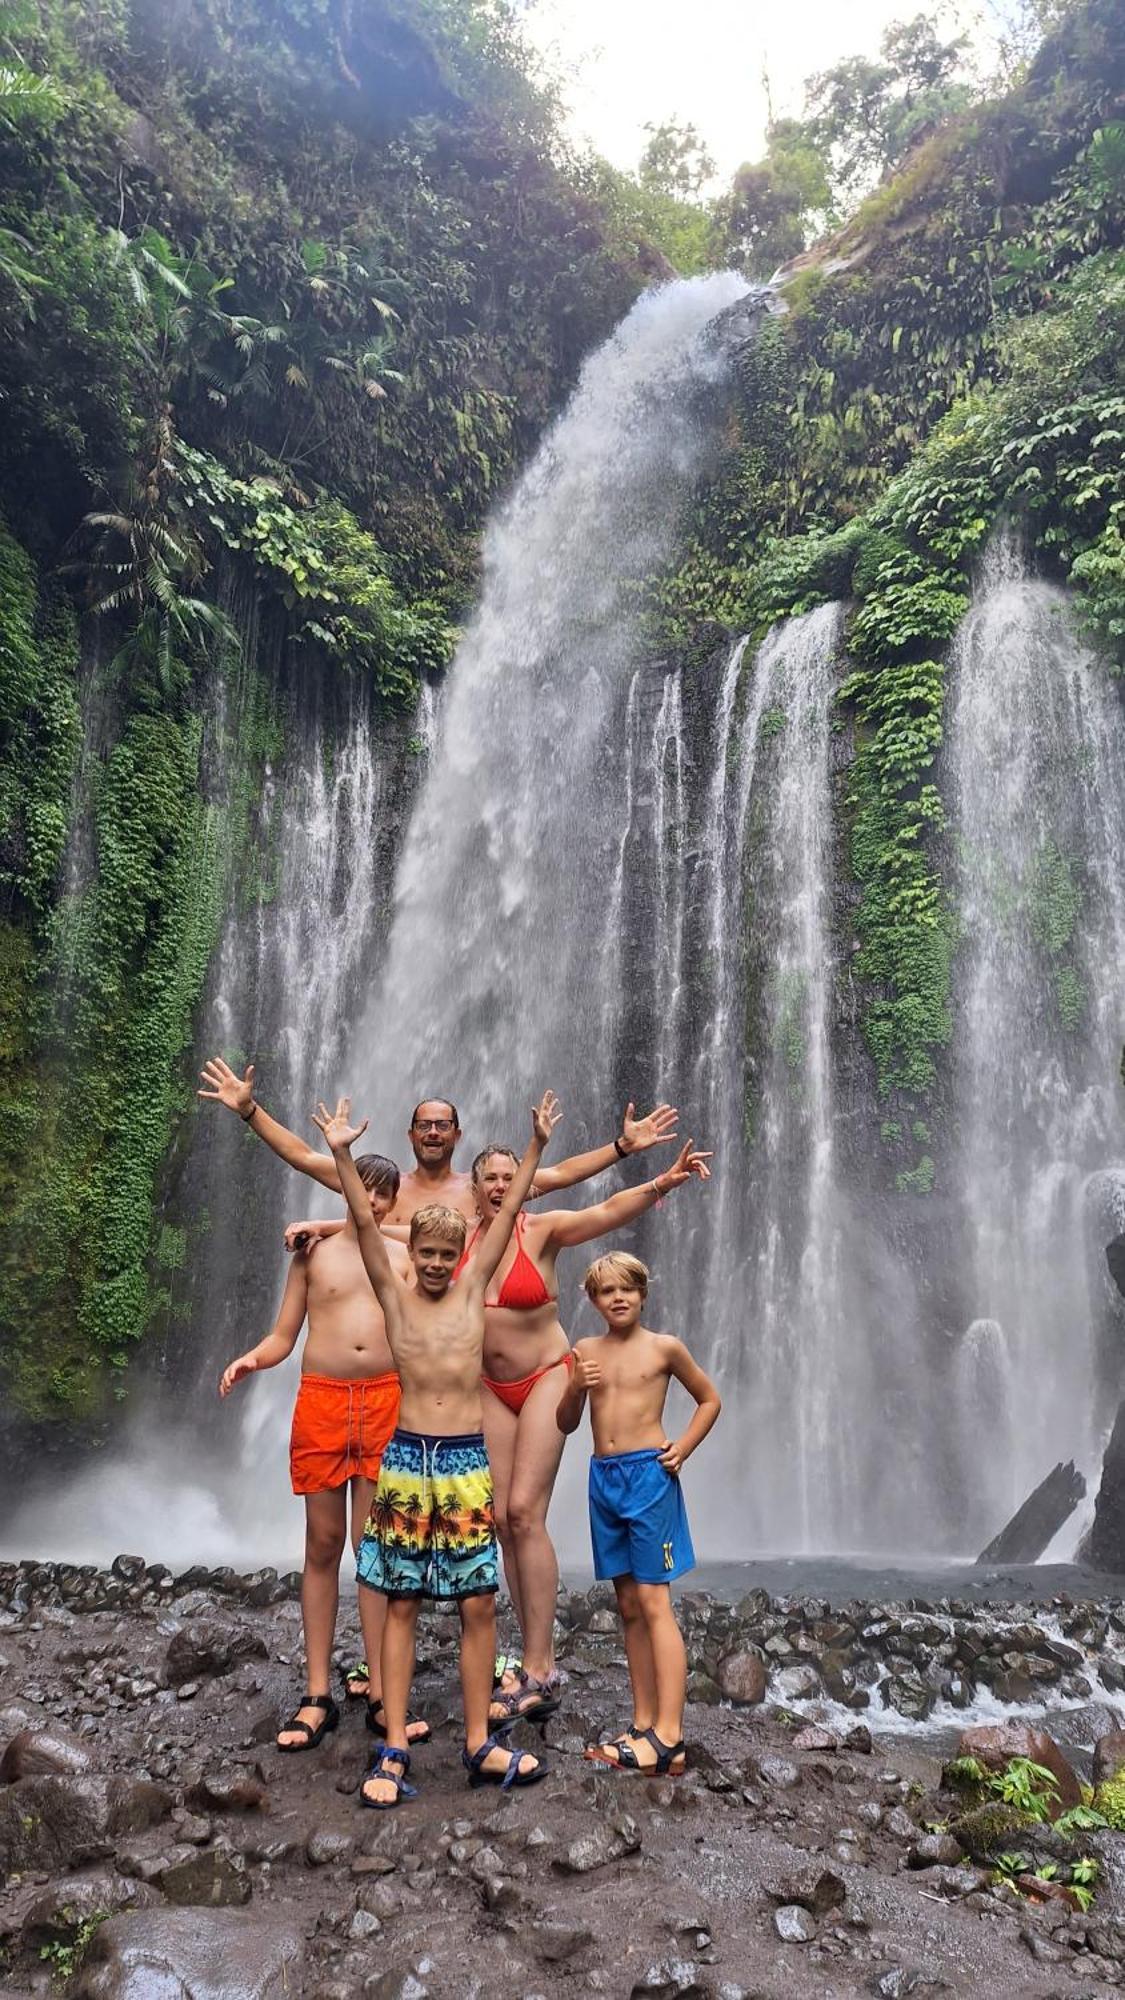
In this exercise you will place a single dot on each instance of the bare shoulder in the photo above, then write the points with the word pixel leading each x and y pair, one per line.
pixel 670 1348
pixel 398 1258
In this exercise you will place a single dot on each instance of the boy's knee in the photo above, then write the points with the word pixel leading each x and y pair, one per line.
pixel 628 1603
pixel 654 1601
pixel 523 1516
pixel 401 1610
pixel 324 1547
pixel 477 1611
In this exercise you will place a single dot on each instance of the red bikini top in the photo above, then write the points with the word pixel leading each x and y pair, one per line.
pixel 523 1290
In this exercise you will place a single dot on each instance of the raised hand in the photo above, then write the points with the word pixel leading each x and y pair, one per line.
pixel 245 1365
pixel 545 1116
pixel 336 1125
pixel 224 1087
pixel 638 1134
pixel 587 1370
pixel 686 1165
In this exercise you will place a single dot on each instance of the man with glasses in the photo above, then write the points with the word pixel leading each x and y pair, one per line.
pixel 434 1133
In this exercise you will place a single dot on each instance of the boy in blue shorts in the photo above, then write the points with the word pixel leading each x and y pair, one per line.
pixel 638 1522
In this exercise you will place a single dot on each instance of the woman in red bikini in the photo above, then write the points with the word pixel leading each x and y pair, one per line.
pixel 526 1369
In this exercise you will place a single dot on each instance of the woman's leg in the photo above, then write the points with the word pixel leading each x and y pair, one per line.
pixel 326 1527
pixel 539 1446
pixel 500 1444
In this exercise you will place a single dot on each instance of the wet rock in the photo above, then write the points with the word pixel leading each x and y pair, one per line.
pixel 780 1772
pixel 54 1823
pixel 899 1824
pixel 742 1678
pixel 61 1908
pixel 935 1850
pixel 396 1983
pixel 858 1740
pixel 672 1979
pixel 129 1569
pixel 610 1841
pixel 796 1684
pixel 816 1889
pixel 816 1739
pixel 555 1943
pixel 209 1878
pixel 325 1848
pixel 994 1745
pixel 207 1955
pixel 210 1647
pixel 231 1790
pixel 794 1924
pixel 35 1753
pixel 909 1695
pixel 701 1688
pixel 1109 1756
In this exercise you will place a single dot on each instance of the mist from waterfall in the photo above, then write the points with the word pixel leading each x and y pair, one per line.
pixel 1037 795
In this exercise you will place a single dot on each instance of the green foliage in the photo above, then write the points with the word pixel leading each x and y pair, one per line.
pixel 1109 1801
pixel 1028 1786
pixel 65 1955
pixel 1080 1819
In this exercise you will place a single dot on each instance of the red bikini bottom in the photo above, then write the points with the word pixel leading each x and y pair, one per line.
pixel 515 1394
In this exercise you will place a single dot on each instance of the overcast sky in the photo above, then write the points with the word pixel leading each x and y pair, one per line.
pixel 628 62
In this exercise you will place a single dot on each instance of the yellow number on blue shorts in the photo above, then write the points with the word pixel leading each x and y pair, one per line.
pixel 668 1563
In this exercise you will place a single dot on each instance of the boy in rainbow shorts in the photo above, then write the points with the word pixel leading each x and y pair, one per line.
pixel 638 1522
pixel 431 1532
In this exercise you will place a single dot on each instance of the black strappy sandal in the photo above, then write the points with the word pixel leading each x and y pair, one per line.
pixel 312 1736
pixel 379 1727
pixel 668 1755
pixel 507 1780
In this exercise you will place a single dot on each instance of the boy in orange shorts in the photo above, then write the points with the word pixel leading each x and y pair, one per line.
pixel 347 1408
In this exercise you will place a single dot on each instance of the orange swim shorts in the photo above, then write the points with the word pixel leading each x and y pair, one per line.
pixel 341 1429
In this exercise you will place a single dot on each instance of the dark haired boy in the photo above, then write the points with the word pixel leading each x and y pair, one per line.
pixel 347 1408
pixel 638 1522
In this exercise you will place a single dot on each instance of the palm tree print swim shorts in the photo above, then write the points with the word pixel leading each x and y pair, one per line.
pixel 430 1532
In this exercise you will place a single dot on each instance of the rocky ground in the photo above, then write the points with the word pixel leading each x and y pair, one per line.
pixel 157 1847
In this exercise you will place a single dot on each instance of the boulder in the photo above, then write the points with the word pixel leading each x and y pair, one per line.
pixel 1106 1541
pixel 935 1850
pixel 814 1888
pixel 908 1694
pixel 57 1823
pixel 742 1678
pixel 35 1753
pixel 794 1924
pixel 207 1877
pixel 210 1647
pixel 994 1744
pixel 59 1910
pixel 610 1841
pixel 192 1955
pixel 1109 1756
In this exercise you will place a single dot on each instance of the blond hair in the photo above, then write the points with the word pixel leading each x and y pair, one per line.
pixel 437 1220
pixel 617 1267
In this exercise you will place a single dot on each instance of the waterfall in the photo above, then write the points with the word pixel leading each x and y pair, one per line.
pixel 1037 769
pixel 497 979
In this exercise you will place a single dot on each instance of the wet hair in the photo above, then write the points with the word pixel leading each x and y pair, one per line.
pixel 378 1174
pixel 436 1220
pixel 617 1267
pixel 483 1157
pixel 437 1100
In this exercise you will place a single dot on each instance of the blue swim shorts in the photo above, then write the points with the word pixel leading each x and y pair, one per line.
pixel 430 1532
pixel 638 1521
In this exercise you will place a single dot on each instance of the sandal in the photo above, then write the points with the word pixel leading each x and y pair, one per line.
pixel 507 1780
pixel 671 1758
pixel 312 1736
pixel 541 1697
pixel 357 1681
pixel 376 1722
pixel 381 1767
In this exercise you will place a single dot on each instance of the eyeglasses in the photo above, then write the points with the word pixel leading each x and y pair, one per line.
pixel 433 1124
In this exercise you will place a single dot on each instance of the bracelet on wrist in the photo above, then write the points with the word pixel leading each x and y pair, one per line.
pixel 246 1116
pixel 620 1148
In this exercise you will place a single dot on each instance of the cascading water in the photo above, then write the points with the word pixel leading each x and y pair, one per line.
pixel 496 982
pixel 1037 763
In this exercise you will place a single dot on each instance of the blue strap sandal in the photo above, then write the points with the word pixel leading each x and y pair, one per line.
pixel 385 1758
pixel 507 1780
